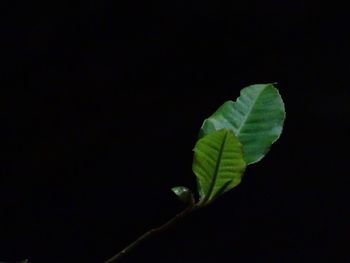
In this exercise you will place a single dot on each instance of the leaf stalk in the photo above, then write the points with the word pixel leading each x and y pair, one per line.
pixel 190 208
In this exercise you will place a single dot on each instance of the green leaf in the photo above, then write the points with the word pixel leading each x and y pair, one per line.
pixel 218 164
pixel 256 118
pixel 183 193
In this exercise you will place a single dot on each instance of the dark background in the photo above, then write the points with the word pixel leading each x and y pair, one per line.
pixel 101 103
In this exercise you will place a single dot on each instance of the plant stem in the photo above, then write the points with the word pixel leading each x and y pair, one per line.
pixel 151 233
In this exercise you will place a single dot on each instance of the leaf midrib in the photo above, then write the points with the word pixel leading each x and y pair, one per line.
pixel 249 112
pixel 217 165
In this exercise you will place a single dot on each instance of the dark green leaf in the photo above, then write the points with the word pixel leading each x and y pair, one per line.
pixel 256 118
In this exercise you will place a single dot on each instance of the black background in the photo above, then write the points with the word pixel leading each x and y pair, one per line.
pixel 101 103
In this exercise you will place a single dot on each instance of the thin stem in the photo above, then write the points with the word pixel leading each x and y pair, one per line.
pixel 151 233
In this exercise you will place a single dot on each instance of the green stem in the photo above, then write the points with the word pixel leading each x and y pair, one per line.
pixel 151 233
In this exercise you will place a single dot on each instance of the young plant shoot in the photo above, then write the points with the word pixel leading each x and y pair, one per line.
pixel 238 134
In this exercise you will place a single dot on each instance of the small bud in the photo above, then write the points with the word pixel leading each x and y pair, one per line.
pixel 183 193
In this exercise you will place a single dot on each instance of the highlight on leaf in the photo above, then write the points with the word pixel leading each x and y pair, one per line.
pixel 183 193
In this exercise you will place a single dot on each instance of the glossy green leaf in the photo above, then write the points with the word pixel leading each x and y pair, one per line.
pixel 256 118
pixel 218 164
pixel 183 193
